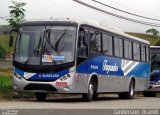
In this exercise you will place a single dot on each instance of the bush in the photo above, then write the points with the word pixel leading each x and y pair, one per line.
pixel 5 32
pixel 2 52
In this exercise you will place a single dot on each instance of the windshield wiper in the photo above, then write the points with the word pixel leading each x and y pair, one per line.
pixel 153 56
pixel 47 32
pixel 60 38
pixel 48 39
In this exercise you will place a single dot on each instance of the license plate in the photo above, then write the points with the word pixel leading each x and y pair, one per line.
pixel 61 83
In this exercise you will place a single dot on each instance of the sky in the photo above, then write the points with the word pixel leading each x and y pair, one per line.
pixel 39 9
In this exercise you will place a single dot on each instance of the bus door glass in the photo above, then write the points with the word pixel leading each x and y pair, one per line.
pixel 82 46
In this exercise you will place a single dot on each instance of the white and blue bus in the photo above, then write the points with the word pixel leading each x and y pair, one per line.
pixel 154 87
pixel 85 57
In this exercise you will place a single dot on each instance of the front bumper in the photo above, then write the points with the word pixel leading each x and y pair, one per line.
pixel 154 88
pixel 39 86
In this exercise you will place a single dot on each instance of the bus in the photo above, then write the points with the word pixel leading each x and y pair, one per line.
pixel 154 87
pixel 80 57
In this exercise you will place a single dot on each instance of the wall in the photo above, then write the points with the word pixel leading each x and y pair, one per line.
pixel 6 64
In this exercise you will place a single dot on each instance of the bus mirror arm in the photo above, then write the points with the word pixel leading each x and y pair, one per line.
pixel 11 40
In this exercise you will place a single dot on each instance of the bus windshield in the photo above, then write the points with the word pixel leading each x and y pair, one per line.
pixel 155 63
pixel 45 45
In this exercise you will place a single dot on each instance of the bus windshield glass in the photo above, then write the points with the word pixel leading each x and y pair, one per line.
pixel 45 45
pixel 155 63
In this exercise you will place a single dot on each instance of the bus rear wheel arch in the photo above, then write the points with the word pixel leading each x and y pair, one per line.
pixel 92 90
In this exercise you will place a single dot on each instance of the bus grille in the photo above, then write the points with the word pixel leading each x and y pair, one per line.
pixel 45 87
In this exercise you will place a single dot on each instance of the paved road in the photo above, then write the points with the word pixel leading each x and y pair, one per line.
pixel 75 102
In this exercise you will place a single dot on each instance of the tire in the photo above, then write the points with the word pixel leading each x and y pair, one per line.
pixel 95 95
pixel 130 93
pixel 149 94
pixel 41 96
pixel 91 95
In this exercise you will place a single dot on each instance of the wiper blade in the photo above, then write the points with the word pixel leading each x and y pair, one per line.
pixel 60 38
pixel 47 33
pixel 153 57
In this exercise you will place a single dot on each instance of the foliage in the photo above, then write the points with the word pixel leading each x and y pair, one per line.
pixel 4 41
pixel 153 31
pixel 5 32
pixel 6 91
pixel 5 87
pixel 152 39
pixel 2 52
pixel 16 13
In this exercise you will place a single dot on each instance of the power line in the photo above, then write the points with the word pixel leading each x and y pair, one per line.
pixel 124 11
pixel 133 8
pixel 118 16
pixel 67 11
pixel 4 18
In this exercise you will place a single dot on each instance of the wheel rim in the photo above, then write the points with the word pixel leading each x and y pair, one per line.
pixel 90 90
pixel 131 90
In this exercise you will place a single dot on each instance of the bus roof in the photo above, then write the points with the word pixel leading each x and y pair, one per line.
pixel 94 24
pixel 155 47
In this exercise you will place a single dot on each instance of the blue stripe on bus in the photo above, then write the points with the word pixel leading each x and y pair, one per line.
pixel 44 76
pixel 112 66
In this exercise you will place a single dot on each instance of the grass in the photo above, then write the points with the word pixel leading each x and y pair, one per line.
pixel 4 41
pixel 152 39
pixel 5 84
pixel 6 91
pixel 6 87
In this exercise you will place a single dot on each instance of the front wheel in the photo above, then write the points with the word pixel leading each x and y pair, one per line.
pixel 41 96
pixel 91 92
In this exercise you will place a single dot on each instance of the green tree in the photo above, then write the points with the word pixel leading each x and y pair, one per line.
pixel 153 31
pixel 16 13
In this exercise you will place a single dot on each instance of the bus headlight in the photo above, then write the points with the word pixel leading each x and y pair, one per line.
pixel 17 76
pixel 67 76
pixel 158 82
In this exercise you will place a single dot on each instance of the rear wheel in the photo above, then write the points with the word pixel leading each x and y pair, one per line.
pixel 91 95
pixel 130 93
pixel 95 95
pixel 41 96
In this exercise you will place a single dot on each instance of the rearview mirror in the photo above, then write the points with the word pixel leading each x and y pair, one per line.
pixel 11 40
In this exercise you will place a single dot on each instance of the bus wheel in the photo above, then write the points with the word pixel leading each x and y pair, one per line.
pixel 95 96
pixel 41 96
pixel 90 95
pixel 130 93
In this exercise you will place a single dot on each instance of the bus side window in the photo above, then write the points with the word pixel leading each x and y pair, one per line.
pixel 127 49
pixel 107 44
pixel 147 54
pixel 136 51
pixel 143 58
pixel 118 47
pixel 95 41
pixel 82 43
